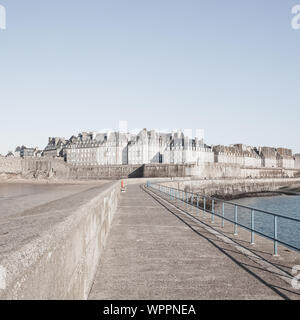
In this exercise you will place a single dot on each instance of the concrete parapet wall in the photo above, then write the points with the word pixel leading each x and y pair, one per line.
pixel 62 262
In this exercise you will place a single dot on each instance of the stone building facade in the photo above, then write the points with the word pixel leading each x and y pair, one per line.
pixel 25 152
pixel 144 148
pixel 147 147
pixel 55 147
pixel 182 150
pixel 237 154
pixel 285 158
pixel 17 152
pixel 98 149
pixel 297 161
pixel 268 156
pixel 151 147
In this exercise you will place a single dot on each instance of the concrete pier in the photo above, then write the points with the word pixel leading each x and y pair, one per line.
pixel 154 251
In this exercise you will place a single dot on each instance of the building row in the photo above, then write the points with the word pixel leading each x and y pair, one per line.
pixel 116 148
pixel 25 152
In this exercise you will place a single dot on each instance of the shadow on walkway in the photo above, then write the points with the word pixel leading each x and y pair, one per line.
pixel 279 286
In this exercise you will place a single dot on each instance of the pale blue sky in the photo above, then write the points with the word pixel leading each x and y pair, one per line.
pixel 231 67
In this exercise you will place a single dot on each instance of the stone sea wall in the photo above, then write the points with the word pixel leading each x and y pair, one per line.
pixel 215 171
pixel 58 169
pixel 106 172
pixel 230 188
pixel 10 166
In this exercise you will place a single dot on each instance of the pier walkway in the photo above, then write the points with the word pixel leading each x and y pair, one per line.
pixel 155 251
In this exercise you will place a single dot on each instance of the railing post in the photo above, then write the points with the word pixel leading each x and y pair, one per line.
pixel 275 237
pixel 235 220
pixel 213 211
pixel 204 205
pixel 198 204
pixel 252 226
pixel 186 200
pixel 223 213
pixel 192 202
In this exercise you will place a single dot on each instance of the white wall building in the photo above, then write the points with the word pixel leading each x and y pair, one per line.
pixel 143 148
pixel 237 154
pixel 297 161
pixel 115 148
pixel 268 156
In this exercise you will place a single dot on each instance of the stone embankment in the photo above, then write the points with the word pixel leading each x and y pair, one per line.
pixel 235 188
pixel 10 168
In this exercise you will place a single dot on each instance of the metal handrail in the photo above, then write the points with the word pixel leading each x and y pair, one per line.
pixel 232 203
pixel 173 193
